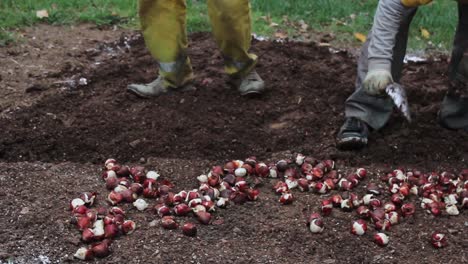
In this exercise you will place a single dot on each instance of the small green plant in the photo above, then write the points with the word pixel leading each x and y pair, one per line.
pixel 6 37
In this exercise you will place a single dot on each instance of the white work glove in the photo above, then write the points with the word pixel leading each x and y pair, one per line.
pixel 376 81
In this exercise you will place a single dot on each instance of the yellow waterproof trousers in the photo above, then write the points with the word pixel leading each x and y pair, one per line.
pixel 164 29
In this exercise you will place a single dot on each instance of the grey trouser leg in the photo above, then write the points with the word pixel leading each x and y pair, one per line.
pixel 454 109
pixel 376 111
pixel 454 112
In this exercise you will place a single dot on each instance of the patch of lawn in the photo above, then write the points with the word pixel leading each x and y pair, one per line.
pixel 340 18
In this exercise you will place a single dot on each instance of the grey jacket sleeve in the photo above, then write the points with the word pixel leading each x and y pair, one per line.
pixel 387 20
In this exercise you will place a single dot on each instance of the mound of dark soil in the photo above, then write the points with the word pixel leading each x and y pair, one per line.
pixel 61 133
pixel 301 111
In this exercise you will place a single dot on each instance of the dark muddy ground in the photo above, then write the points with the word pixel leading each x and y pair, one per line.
pixel 56 133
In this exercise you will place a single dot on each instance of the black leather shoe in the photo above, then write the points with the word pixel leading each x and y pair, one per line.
pixel 353 134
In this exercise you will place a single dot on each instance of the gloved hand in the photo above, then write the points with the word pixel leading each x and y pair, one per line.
pixel 415 3
pixel 376 81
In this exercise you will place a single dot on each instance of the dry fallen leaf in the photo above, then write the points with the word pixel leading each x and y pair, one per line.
pixel 279 125
pixel 281 35
pixel 324 44
pixel 361 37
pixel 42 13
pixel 340 22
pixel 303 26
pixel 267 19
pixel 425 33
pixel 273 24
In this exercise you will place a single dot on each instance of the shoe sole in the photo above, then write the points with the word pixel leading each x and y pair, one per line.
pixel 138 94
pixel 351 143
pixel 252 93
pixel 186 88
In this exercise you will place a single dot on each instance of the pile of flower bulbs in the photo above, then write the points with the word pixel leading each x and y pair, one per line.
pixel 443 193
pixel 222 185
pixel 311 175
pixel 439 194
pixel 98 227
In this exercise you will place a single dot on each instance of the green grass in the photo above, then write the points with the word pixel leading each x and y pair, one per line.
pixel 340 17
pixel 345 17
pixel 14 13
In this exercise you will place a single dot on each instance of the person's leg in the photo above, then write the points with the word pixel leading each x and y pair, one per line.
pixel 454 110
pixel 163 24
pixel 376 111
pixel 231 23
pixel 363 110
